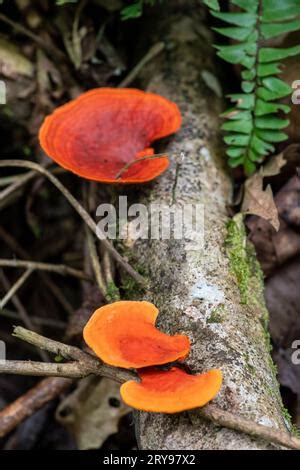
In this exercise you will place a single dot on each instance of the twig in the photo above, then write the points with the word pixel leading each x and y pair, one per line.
pixel 95 263
pixel 235 422
pixel 27 320
pixel 17 303
pixel 153 52
pixel 85 364
pixel 15 287
pixel 46 390
pixel 44 369
pixel 56 291
pixel 41 42
pixel 79 209
pixel 88 363
pixel 61 269
pixel 133 162
pixel 23 179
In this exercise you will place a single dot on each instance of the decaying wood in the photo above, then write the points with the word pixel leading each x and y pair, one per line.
pixel 46 390
pixel 196 290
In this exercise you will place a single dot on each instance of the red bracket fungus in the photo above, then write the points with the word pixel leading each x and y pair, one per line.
pixel 123 334
pixel 171 391
pixel 107 130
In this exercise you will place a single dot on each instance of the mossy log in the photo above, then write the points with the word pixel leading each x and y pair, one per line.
pixel 213 294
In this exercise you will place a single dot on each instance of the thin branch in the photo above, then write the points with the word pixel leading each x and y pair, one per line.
pixel 133 162
pixel 34 399
pixel 43 369
pixel 236 422
pixel 79 209
pixel 89 364
pixel 153 52
pixel 95 263
pixel 15 287
pixel 61 269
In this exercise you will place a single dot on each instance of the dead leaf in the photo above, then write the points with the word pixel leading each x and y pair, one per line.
pixel 274 165
pixel 92 412
pixel 275 248
pixel 260 202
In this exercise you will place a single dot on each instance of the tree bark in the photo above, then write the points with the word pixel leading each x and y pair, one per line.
pixel 213 294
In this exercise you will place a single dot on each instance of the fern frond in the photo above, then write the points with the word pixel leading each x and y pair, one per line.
pixel 253 125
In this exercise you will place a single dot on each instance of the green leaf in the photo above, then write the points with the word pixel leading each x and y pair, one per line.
pixel 247 87
pixel 265 70
pixel 243 101
pixel 238 19
pixel 249 167
pixel 277 86
pixel 271 136
pixel 271 122
pixel 278 11
pixel 270 54
pixel 273 89
pixel 237 53
pixel 213 4
pixel 249 74
pixel 260 146
pixel 248 5
pixel 237 140
pixel 244 127
pixel 234 162
pixel 236 114
pixel 239 34
pixel 253 156
pixel 262 108
pixel 271 30
pixel 235 152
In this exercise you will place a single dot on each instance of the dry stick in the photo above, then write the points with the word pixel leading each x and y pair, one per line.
pixel 15 287
pixel 27 320
pixel 23 179
pixel 41 42
pixel 46 390
pixel 133 162
pixel 79 209
pixel 87 364
pixel 153 52
pixel 17 303
pixel 236 422
pixel 61 269
pixel 19 250
pixel 95 262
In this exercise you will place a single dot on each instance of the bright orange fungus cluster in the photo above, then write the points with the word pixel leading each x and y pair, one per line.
pixel 123 334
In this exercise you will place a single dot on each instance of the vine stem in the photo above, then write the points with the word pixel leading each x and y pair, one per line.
pixel 83 364
pixel 79 209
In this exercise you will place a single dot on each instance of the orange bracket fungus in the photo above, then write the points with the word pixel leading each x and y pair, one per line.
pixel 123 334
pixel 107 130
pixel 171 391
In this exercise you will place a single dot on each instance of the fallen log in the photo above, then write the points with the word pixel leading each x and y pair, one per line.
pixel 214 291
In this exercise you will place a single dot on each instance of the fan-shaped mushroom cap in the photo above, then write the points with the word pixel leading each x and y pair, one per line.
pixel 171 391
pixel 123 334
pixel 103 130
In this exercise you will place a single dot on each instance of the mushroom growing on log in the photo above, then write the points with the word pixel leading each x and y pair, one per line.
pixel 197 291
